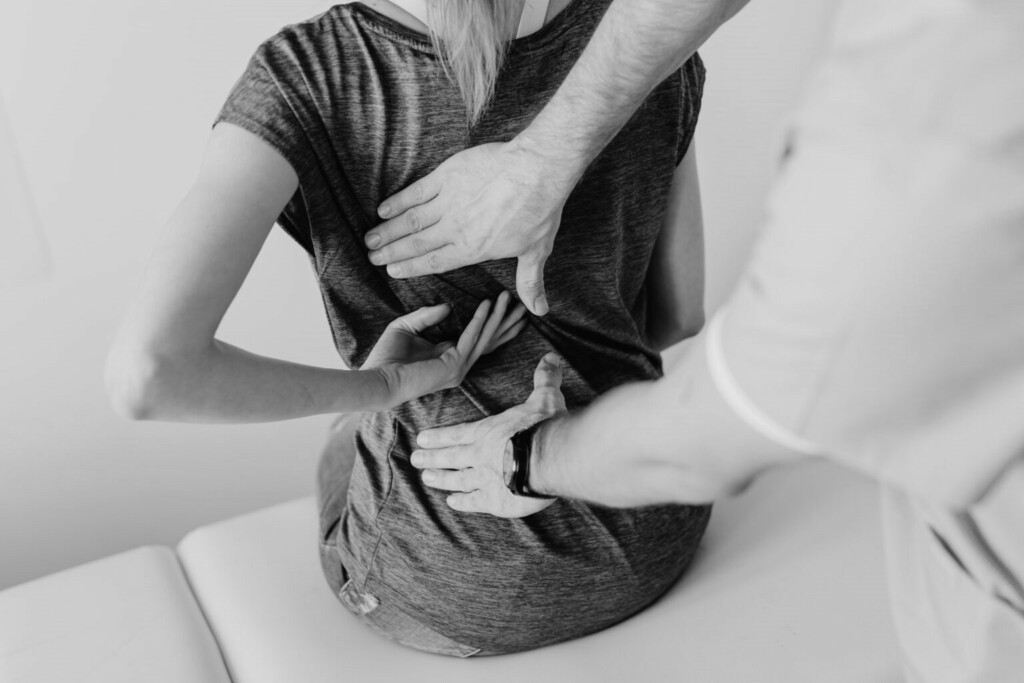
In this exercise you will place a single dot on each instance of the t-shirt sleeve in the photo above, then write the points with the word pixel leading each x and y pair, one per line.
pixel 882 321
pixel 881 314
pixel 692 74
pixel 267 101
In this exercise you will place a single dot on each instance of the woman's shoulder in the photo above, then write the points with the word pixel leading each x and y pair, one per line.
pixel 300 39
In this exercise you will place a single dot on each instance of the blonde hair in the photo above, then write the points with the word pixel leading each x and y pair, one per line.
pixel 472 37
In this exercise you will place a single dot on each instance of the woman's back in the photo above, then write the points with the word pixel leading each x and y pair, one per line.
pixel 359 106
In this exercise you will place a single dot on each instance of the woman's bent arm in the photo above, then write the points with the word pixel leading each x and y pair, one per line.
pixel 165 363
pixel 675 278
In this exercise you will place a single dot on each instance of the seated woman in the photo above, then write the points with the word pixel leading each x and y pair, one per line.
pixel 331 116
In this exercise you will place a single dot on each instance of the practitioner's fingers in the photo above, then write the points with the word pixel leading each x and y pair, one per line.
pixel 408 236
pixel 474 501
pixel 499 504
pixel 530 279
pixel 549 372
pixel 463 480
pixel 423 190
pixel 547 386
pixel 450 458
pixel 455 435
pixel 440 260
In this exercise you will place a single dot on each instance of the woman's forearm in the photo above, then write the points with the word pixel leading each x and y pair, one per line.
pixel 636 46
pixel 226 384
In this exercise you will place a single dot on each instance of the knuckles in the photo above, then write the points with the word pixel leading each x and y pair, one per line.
pixel 412 219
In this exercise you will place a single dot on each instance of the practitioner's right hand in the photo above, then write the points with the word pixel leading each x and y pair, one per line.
pixel 472 460
pixel 412 366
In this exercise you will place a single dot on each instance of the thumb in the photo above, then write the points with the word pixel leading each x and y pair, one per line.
pixel 548 374
pixel 439 349
pixel 530 280
pixel 547 386
pixel 422 318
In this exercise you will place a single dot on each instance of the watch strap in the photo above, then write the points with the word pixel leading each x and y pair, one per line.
pixel 522 454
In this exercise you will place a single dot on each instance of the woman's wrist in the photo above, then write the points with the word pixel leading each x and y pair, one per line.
pixel 383 387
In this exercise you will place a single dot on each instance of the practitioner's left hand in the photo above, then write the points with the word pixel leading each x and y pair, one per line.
pixel 494 201
pixel 471 459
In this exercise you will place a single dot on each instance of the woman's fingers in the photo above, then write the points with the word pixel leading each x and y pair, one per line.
pixel 472 332
pixel 443 348
pixel 517 313
pixel 512 324
pixel 510 320
pixel 494 321
pixel 422 318
pixel 507 336
pixel 491 326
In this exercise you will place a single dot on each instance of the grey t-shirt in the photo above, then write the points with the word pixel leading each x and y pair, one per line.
pixel 359 106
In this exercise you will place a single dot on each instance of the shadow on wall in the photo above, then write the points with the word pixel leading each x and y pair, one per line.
pixel 24 254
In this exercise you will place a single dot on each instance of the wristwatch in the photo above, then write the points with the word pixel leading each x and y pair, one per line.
pixel 517 474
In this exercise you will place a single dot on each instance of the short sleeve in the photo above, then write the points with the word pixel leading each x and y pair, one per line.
pixel 267 101
pixel 692 75
pixel 881 314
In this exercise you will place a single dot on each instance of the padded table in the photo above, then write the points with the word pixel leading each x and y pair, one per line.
pixel 128 618
pixel 788 586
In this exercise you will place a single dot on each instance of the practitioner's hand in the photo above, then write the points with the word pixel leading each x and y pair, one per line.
pixel 472 459
pixel 498 200
pixel 413 367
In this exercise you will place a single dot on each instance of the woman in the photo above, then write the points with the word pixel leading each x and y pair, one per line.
pixel 331 116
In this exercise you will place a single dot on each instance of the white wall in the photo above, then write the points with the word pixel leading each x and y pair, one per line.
pixel 109 102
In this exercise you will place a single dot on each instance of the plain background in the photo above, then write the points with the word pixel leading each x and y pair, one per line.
pixel 109 104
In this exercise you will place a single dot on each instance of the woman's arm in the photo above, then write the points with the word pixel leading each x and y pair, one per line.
pixel 166 364
pixel 675 300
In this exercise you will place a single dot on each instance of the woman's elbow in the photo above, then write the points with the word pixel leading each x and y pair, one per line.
pixel 132 378
pixel 670 330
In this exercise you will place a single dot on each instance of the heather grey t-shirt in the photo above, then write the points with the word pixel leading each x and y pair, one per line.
pixel 359 106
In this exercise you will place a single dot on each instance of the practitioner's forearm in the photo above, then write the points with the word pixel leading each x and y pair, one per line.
pixel 670 440
pixel 598 454
pixel 636 46
pixel 226 384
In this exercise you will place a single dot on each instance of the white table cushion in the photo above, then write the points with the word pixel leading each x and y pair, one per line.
pixel 789 586
pixel 129 618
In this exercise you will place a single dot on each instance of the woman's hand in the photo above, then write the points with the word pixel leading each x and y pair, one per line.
pixel 473 459
pixel 413 367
